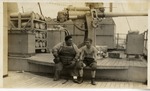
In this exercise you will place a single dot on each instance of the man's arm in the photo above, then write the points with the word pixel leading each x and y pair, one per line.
pixel 77 51
pixel 55 49
pixel 82 53
pixel 95 53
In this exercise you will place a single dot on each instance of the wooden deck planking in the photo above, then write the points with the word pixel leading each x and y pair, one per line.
pixel 16 78
pixel 104 84
pixel 98 85
pixel 102 63
pixel 113 84
pixel 124 85
pixel 121 85
pixel 83 85
pixel 37 81
pixel 137 85
pixel 31 80
pixel 68 84
pixel 135 63
pixel 131 85
pixel 116 62
pixel 113 63
pixel 119 62
pixel 143 63
pixel 127 62
pixel 106 63
pixel 48 82
pixel 77 85
pixel 108 85
pixel 139 64
pixel 28 82
pixel 131 63
pixel 87 84
pixel 55 84
pixel 109 62
pixel 124 63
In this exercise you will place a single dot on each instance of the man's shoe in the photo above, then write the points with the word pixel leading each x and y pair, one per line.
pixel 93 81
pixel 80 80
pixel 55 79
pixel 75 80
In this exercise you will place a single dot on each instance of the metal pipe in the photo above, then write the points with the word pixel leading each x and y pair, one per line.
pixel 77 14
pixel 110 7
pixel 40 8
pixel 121 14
pixel 81 14
pixel 78 8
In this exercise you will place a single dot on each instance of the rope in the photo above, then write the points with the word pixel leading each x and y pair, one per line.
pixel 80 28
pixel 126 17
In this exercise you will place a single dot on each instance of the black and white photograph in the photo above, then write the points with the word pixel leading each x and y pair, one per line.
pixel 82 44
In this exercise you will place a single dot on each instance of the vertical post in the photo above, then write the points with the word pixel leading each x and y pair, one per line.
pixel 148 61
pixel 60 35
pixel 32 23
pixel 4 42
pixel 3 49
pixel 110 7
pixel 94 37
pixel 74 37
pixel 19 21
pixel 90 29
pixel 117 40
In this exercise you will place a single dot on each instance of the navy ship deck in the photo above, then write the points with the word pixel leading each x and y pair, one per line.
pixel 118 69
pixel 32 80
pixel 103 63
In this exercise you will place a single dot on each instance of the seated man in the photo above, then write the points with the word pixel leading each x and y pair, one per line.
pixel 88 57
pixel 65 56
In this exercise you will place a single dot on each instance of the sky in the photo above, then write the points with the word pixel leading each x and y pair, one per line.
pixel 123 24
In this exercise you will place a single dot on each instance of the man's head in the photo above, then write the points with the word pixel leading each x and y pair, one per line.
pixel 68 40
pixel 88 42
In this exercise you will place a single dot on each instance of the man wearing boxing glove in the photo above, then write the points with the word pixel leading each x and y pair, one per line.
pixel 66 55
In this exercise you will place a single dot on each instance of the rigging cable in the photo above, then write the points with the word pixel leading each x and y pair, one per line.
pixel 22 9
pixel 40 8
pixel 126 17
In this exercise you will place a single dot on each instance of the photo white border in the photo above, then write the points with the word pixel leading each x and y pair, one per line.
pixel 1 39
